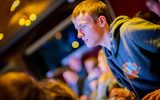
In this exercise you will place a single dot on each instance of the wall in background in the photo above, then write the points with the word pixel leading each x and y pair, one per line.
pixel 127 7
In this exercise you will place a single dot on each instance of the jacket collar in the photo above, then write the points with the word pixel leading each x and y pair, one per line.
pixel 115 33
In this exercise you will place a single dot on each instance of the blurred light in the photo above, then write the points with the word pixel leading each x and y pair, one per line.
pixel 1 36
pixel 70 1
pixel 58 35
pixel 33 17
pixel 27 22
pixel 14 5
pixel 49 74
pixel 75 44
pixel 21 21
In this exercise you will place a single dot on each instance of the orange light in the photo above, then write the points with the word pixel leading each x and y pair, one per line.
pixel 75 44
pixel 1 36
pixel 21 21
pixel 33 17
pixel 27 22
pixel 14 5
pixel 58 35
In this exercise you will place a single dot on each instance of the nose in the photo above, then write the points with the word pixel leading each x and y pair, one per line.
pixel 80 34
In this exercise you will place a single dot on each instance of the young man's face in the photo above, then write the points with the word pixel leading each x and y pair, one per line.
pixel 88 30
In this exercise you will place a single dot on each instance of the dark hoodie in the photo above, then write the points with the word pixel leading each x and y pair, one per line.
pixel 135 54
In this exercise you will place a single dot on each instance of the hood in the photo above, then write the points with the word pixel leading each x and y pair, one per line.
pixel 115 32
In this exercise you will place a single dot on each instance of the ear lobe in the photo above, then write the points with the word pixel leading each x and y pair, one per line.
pixel 102 21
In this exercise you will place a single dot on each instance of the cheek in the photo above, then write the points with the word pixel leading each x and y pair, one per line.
pixel 93 35
pixel 88 31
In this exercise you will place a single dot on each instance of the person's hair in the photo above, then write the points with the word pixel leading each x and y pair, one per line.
pixel 58 91
pixel 20 86
pixel 95 8
pixel 148 15
pixel 102 54
pixel 156 1
pixel 58 73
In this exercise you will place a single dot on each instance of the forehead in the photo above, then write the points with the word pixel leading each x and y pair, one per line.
pixel 82 19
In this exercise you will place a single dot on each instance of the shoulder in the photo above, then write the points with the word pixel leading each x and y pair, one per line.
pixel 141 32
pixel 137 26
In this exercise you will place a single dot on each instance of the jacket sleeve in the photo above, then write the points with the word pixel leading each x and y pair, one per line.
pixel 143 33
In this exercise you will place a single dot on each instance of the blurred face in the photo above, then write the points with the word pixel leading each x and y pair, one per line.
pixel 89 64
pixel 88 30
pixel 154 7
pixel 120 94
pixel 75 64
pixel 102 64
pixel 70 77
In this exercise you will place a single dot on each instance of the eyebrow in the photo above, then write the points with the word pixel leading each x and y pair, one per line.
pixel 81 24
pixel 78 27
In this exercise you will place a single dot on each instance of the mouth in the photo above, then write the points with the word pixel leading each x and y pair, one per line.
pixel 85 40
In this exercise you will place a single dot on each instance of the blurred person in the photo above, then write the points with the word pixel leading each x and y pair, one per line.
pixel 73 81
pixel 106 79
pixel 154 6
pixel 90 83
pixel 149 16
pixel 155 95
pixel 107 83
pixel 121 94
pixel 20 86
pixel 152 13
pixel 103 65
pixel 93 85
pixel 57 90
pixel 131 45
pixel 58 73
pixel 75 64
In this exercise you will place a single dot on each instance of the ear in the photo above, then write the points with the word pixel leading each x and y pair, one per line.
pixel 102 21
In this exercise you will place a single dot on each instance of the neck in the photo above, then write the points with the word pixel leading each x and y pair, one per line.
pixel 106 40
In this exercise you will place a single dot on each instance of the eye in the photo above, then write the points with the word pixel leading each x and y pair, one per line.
pixel 83 26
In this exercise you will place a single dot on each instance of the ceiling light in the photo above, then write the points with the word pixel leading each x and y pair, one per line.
pixel 21 21
pixel 33 17
pixel 27 22
pixel 75 44
pixel 14 5
pixel 1 36
pixel 70 1
pixel 58 35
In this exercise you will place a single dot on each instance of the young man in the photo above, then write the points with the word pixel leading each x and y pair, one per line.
pixel 132 46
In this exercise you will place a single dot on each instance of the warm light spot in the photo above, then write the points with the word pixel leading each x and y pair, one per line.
pixel 75 44
pixel 14 5
pixel 21 21
pixel 27 22
pixel 1 36
pixel 58 35
pixel 33 17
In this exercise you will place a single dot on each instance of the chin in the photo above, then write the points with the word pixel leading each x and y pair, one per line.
pixel 89 45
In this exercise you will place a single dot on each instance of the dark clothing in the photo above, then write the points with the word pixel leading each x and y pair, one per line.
pixel 135 54
pixel 78 87
pixel 149 16
pixel 94 75
pixel 82 73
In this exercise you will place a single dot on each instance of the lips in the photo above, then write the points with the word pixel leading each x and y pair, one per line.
pixel 85 40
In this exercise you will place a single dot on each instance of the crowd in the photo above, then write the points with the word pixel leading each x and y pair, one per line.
pixel 123 69
pixel 96 82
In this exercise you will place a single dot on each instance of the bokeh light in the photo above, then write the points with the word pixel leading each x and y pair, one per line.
pixel 21 21
pixel 1 36
pixel 33 17
pixel 75 44
pixel 27 22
